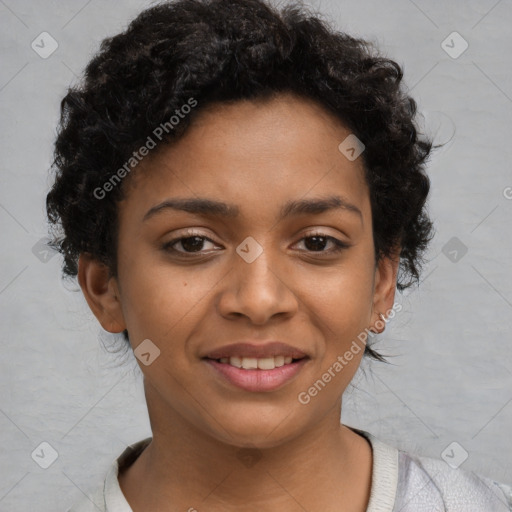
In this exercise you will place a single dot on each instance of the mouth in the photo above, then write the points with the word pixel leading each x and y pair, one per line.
pixel 257 374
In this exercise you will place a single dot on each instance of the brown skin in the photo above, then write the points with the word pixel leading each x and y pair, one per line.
pixel 257 155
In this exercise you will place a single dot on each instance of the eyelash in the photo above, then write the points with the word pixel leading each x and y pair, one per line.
pixel 338 244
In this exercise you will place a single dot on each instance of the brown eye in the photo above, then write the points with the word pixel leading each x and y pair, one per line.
pixel 192 243
pixel 189 244
pixel 316 242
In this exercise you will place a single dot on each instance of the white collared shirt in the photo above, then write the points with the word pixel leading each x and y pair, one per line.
pixel 400 483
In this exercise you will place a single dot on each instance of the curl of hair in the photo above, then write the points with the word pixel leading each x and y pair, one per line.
pixel 224 51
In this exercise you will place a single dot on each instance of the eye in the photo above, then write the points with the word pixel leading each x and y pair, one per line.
pixel 190 243
pixel 318 241
pixel 193 243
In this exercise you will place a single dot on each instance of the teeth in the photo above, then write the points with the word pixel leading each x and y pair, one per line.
pixel 253 363
pixel 249 363
pixel 280 360
pixel 267 363
pixel 234 361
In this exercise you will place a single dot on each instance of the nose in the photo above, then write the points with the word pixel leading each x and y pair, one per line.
pixel 258 290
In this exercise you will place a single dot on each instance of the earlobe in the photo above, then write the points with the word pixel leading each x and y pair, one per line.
pixel 101 293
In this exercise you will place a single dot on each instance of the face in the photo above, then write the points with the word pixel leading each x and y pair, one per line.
pixel 194 281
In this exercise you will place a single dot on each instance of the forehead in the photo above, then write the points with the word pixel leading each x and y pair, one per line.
pixel 256 153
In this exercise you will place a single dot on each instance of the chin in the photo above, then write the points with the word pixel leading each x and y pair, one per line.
pixel 254 431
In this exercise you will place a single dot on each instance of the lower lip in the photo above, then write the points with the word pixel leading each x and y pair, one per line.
pixel 258 380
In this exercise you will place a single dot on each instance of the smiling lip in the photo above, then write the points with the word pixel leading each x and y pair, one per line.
pixel 258 350
pixel 257 380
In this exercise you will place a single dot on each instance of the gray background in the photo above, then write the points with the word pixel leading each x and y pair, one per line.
pixel 451 379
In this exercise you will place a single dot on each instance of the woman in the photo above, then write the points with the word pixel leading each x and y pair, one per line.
pixel 236 190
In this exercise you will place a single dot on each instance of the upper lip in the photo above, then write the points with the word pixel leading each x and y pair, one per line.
pixel 258 350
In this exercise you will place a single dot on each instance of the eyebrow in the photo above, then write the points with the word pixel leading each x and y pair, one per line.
pixel 213 208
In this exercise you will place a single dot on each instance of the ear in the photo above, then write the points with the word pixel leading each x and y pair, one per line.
pixel 384 289
pixel 101 292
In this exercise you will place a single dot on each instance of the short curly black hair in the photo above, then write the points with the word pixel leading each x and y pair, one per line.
pixel 224 51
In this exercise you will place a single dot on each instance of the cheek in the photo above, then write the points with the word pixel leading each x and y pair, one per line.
pixel 160 300
pixel 341 298
pixel 341 305
pixel 148 299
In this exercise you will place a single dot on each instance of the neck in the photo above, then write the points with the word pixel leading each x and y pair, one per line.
pixel 326 467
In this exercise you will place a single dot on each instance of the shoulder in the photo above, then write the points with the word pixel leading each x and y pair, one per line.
pixel 108 496
pixel 432 483
pixel 94 502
